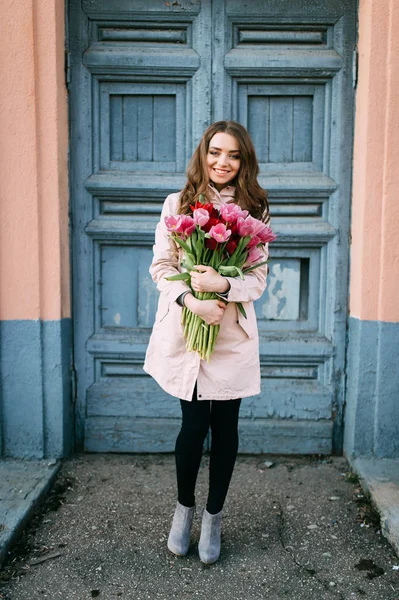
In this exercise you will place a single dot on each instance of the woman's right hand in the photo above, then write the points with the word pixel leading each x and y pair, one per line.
pixel 210 311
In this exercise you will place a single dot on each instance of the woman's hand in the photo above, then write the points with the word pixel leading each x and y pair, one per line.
pixel 210 311
pixel 208 280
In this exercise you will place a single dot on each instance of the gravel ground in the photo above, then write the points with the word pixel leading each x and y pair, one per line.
pixel 300 529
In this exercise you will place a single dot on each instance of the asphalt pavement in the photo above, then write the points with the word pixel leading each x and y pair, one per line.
pixel 293 527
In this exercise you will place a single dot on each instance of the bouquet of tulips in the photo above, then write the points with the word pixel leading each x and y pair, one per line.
pixel 226 238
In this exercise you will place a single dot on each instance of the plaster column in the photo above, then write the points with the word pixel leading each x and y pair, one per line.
pixel 34 258
pixel 372 400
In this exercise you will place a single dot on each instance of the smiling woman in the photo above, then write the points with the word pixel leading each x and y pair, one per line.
pixel 222 170
pixel 225 155
pixel 223 159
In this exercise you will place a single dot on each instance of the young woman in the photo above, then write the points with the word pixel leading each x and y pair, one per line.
pixel 223 168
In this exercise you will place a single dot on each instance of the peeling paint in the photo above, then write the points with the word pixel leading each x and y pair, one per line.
pixel 281 299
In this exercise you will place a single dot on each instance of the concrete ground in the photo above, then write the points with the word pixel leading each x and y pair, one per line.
pixel 301 528
pixel 380 479
pixel 22 485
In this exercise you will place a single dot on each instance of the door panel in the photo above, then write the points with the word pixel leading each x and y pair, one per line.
pixel 140 99
pixel 284 70
pixel 147 79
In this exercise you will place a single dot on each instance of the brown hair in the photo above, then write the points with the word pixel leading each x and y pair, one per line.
pixel 248 195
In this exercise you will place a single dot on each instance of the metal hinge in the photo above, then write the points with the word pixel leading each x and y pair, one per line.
pixel 355 67
pixel 74 384
pixel 67 68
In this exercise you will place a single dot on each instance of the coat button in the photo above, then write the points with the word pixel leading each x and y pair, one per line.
pixel 199 395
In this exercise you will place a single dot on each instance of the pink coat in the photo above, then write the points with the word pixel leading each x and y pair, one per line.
pixel 234 370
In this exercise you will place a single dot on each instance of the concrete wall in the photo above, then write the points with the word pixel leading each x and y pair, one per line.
pixel 35 342
pixel 372 399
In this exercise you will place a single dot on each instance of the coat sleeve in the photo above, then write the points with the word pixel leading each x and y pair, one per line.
pixel 252 286
pixel 165 261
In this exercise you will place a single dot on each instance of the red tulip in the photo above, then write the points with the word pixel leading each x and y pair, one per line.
pixel 210 243
pixel 231 246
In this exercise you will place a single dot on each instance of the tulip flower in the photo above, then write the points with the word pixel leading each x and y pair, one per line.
pixel 254 255
pixel 210 243
pixel 182 225
pixel 231 246
pixel 220 233
pixel 201 216
pixel 173 223
pixel 253 242
pixel 208 207
pixel 227 238
pixel 265 234
pixel 187 226
pixel 212 221
pixel 245 227
pixel 230 212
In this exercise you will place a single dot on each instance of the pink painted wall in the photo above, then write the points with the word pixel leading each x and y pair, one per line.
pixel 34 260
pixel 375 205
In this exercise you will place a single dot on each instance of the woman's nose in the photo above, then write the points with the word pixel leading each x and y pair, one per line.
pixel 222 161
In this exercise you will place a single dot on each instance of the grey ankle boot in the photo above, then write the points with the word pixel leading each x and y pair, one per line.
pixel 179 536
pixel 209 544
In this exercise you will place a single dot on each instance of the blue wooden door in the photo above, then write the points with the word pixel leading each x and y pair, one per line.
pixel 147 78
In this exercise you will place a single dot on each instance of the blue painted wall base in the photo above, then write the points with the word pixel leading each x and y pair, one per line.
pixel 36 411
pixel 372 397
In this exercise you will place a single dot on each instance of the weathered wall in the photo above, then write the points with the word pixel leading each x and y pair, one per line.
pixel 372 399
pixel 34 257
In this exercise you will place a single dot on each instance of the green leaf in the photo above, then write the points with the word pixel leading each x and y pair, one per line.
pixel 183 244
pixel 241 274
pixel 232 270
pixel 249 269
pixel 188 262
pixel 241 309
pixel 198 249
pixel 179 277
pixel 192 240
pixel 237 256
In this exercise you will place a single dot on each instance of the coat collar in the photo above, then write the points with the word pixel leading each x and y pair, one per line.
pixel 225 195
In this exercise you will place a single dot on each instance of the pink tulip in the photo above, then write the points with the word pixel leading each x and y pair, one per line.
pixel 220 233
pixel 253 242
pixel 230 212
pixel 254 255
pixel 183 225
pixel 201 216
pixel 245 227
pixel 173 222
pixel 187 226
pixel 255 223
pixel 265 234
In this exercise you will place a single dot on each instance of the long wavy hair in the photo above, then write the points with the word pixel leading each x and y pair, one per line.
pixel 248 193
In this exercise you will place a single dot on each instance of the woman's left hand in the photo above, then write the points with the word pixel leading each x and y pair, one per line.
pixel 208 280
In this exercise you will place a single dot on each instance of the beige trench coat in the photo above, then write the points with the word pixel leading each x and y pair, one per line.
pixel 234 370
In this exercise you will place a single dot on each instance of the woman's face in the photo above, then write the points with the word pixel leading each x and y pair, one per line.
pixel 223 159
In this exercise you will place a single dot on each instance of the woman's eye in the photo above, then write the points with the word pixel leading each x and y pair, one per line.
pixel 235 157
pixel 213 152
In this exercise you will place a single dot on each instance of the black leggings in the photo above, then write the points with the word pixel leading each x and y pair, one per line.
pixel 222 417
